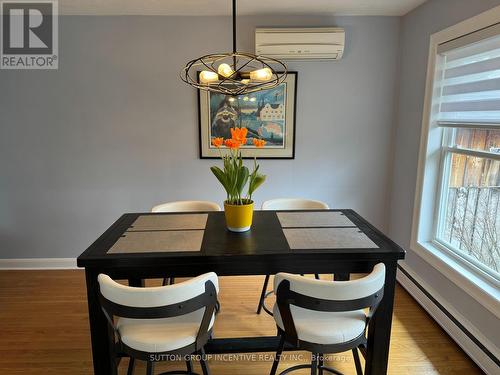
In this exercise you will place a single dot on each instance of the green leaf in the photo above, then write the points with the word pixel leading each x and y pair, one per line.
pixel 242 179
pixel 255 183
pixel 221 176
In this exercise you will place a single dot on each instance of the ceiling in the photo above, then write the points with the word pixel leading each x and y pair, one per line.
pixel 245 7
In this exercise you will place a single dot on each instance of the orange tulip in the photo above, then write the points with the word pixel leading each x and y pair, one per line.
pixel 239 134
pixel 259 143
pixel 232 144
pixel 217 142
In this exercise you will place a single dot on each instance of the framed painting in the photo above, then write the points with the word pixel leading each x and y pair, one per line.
pixel 268 115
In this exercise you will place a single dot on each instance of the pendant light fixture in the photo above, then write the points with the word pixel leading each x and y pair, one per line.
pixel 234 73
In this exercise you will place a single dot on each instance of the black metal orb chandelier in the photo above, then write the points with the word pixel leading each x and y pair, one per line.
pixel 234 73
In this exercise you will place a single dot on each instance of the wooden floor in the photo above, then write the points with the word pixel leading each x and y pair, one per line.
pixel 44 330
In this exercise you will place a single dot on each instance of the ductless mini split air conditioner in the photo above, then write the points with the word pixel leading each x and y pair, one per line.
pixel 318 43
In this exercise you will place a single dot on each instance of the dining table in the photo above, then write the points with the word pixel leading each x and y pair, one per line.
pixel 141 246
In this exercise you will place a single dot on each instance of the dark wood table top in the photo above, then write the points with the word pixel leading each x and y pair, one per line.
pixel 265 244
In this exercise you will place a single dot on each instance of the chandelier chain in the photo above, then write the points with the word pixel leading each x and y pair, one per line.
pixel 249 72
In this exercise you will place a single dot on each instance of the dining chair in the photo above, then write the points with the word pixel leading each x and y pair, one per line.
pixel 159 323
pixel 286 204
pixel 325 317
pixel 184 206
pixel 283 204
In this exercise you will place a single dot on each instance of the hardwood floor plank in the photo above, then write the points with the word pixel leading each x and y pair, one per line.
pixel 44 330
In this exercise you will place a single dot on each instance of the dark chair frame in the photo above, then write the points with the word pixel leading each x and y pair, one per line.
pixel 264 294
pixel 285 297
pixel 207 300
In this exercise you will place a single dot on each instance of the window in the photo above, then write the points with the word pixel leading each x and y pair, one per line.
pixel 469 218
pixel 467 109
pixel 456 223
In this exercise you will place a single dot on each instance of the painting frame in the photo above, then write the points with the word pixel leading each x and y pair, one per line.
pixel 284 151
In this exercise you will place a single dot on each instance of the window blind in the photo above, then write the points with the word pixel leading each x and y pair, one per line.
pixel 470 80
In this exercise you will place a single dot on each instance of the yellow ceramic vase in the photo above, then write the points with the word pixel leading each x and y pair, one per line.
pixel 238 217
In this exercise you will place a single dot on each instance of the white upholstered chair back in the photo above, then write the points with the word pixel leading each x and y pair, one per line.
pixel 336 290
pixel 294 204
pixel 155 296
pixel 186 206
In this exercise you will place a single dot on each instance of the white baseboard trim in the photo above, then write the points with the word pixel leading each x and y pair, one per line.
pixel 38 264
pixel 476 353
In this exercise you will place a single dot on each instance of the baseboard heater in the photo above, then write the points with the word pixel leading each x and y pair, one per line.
pixel 473 346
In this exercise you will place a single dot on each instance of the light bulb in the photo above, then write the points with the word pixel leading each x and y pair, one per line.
pixel 245 81
pixel 208 76
pixel 264 74
pixel 225 70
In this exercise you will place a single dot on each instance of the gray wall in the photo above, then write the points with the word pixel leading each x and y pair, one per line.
pixel 114 130
pixel 416 28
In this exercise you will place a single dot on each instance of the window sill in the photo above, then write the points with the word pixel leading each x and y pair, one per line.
pixel 481 289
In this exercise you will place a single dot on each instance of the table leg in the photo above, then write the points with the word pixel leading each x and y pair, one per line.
pixel 379 330
pixel 100 331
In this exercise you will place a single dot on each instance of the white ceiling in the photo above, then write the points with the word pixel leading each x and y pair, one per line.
pixel 245 7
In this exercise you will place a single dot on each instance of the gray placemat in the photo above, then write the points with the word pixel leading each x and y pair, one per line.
pixel 169 222
pixel 327 238
pixel 160 241
pixel 313 219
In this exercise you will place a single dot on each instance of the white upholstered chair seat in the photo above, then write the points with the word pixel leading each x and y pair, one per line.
pixel 324 328
pixel 161 335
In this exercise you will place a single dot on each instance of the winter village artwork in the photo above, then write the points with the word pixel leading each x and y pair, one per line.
pixel 268 115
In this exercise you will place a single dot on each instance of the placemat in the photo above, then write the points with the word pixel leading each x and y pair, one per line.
pixel 313 219
pixel 169 222
pixel 159 241
pixel 327 238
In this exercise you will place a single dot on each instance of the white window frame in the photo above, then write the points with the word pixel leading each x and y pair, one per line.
pixel 473 279
pixel 446 155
